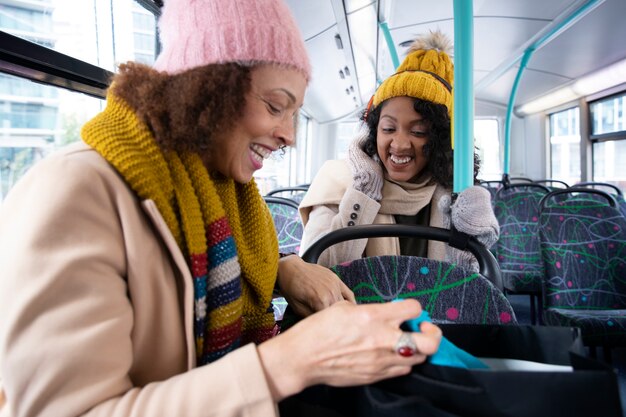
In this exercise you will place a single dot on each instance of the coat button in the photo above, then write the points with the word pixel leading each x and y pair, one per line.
pixel 353 216
pixel 350 223
pixel 356 207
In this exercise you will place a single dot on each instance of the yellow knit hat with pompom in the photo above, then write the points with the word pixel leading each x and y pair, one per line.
pixel 427 73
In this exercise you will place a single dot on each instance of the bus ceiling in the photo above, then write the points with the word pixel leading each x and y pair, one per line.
pixel 346 42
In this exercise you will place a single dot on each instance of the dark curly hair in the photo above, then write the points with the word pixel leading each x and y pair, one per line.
pixel 184 110
pixel 437 150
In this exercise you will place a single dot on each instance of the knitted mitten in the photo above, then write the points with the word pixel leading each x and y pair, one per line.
pixel 471 213
pixel 366 172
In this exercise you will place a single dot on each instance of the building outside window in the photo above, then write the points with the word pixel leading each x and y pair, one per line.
pixel 36 119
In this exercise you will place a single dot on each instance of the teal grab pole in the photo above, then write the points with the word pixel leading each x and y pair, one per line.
pixel 577 14
pixel 390 44
pixel 463 118
pixel 509 111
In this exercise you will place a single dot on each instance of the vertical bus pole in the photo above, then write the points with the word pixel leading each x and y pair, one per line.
pixel 463 115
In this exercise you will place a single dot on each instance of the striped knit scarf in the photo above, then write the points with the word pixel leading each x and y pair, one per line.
pixel 224 229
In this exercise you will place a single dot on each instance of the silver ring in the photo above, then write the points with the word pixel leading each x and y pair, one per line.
pixel 406 345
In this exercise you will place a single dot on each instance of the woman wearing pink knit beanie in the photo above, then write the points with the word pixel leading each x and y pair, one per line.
pixel 139 266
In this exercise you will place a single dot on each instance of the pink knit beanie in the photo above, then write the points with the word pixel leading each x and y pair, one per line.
pixel 200 32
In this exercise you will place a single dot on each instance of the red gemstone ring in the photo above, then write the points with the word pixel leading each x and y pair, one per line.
pixel 406 345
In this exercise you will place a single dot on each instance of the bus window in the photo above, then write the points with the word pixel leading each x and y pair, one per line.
pixel 346 132
pixel 292 165
pixel 35 119
pixel 565 145
pixel 608 136
pixel 607 166
pixel 487 142
pixel 85 30
pixel 608 116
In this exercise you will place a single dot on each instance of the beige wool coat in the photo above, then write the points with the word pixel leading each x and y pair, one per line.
pixel 332 203
pixel 96 305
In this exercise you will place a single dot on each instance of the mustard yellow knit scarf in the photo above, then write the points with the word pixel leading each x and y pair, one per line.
pixel 224 229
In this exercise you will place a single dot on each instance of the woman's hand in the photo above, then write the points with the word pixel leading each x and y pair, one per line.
pixel 345 345
pixel 309 288
pixel 471 214
pixel 366 172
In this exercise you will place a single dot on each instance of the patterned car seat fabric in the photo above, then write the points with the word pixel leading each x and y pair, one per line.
pixel 448 293
pixel 583 242
pixel 517 249
pixel 287 223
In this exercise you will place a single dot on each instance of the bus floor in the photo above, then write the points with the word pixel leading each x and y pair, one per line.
pixel 521 306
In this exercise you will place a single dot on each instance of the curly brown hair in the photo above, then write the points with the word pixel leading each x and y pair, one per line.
pixel 437 150
pixel 184 110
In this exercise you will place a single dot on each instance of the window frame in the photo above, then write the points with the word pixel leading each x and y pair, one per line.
pixel 28 60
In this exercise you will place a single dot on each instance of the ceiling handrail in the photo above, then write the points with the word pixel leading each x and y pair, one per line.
pixel 553 33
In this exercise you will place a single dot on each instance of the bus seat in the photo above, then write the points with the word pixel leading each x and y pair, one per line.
pixel 583 245
pixel 289 231
pixel 292 193
pixel 449 293
pixel 552 184
pixel 287 222
pixel 517 250
pixel 520 179
pixel 492 187
pixel 615 192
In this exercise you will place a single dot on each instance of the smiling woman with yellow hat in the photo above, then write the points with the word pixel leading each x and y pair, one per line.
pixel 399 169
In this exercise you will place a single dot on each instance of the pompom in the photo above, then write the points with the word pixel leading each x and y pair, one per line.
pixel 436 40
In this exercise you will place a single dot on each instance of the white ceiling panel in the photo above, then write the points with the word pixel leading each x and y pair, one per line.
pixel 313 17
pixel 597 41
pixel 354 5
pixel 326 98
pixel 363 28
pixel 594 42
pixel 408 12
pixel 532 85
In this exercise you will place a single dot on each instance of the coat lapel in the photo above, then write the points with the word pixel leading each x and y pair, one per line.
pixel 153 213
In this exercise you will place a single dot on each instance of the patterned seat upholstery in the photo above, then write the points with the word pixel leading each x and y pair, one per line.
pixel 583 243
pixel 287 222
pixel 517 249
pixel 492 187
pixel 448 293
pixel 292 193
pixel 289 230
pixel 615 192
pixel 621 201
pixel 552 184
